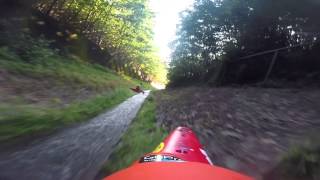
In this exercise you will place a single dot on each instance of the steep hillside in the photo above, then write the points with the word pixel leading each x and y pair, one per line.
pixel 247 129
pixel 52 91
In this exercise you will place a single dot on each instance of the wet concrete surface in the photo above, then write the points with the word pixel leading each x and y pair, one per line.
pixel 75 153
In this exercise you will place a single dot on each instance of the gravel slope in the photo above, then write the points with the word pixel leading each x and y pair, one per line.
pixel 245 129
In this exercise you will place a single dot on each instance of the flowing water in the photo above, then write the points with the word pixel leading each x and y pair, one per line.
pixel 75 153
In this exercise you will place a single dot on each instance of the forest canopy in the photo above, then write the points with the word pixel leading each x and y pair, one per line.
pixel 213 31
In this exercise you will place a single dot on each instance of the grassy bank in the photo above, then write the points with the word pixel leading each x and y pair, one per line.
pixel 142 137
pixel 300 163
pixel 28 108
pixel 72 70
pixel 21 120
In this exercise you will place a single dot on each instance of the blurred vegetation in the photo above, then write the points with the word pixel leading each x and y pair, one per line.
pixel 100 47
pixel 19 118
pixel 50 65
pixel 300 163
pixel 117 34
pixel 26 120
pixel 303 162
pixel 134 143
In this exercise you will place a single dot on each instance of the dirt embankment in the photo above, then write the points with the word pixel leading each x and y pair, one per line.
pixel 244 129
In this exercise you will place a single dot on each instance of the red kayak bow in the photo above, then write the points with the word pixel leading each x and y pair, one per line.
pixel 179 157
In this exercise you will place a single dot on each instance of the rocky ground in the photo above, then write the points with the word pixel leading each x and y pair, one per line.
pixel 244 129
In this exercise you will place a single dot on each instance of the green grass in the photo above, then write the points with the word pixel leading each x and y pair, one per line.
pixel 20 119
pixel 142 137
pixel 300 163
pixel 26 120
pixel 303 162
pixel 61 68
pixel 70 69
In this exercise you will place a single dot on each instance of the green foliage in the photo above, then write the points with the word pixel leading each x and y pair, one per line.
pixel 229 29
pixel 303 162
pixel 300 163
pixel 63 69
pixel 28 48
pixel 122 27
pixel 134 143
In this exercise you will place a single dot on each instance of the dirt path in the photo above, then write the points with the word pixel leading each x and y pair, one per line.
pixel 73 154
pixel 244 129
